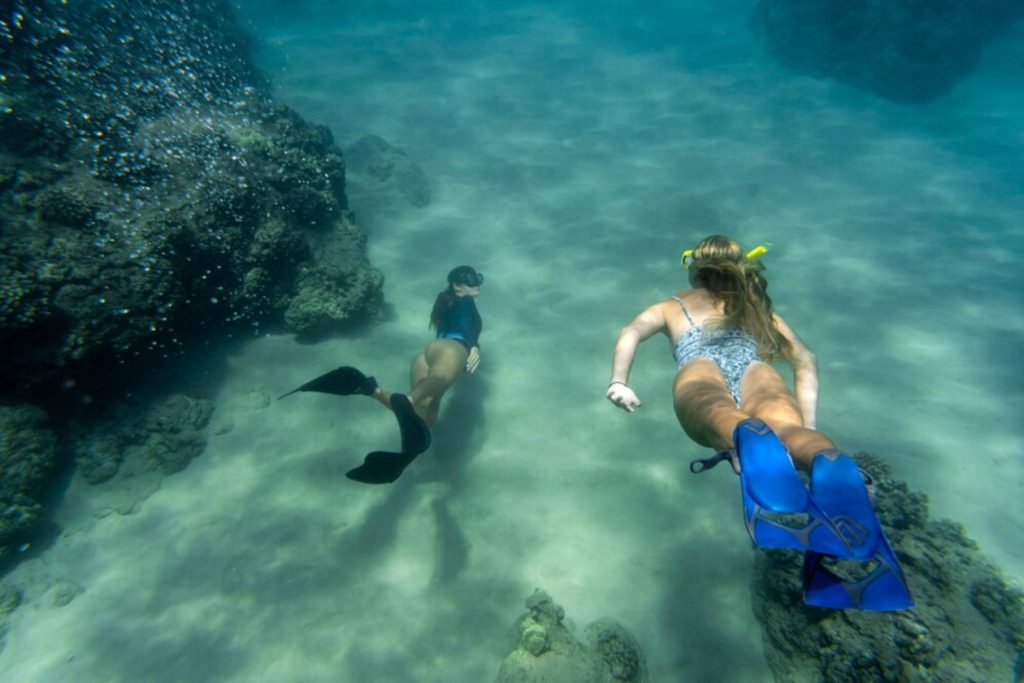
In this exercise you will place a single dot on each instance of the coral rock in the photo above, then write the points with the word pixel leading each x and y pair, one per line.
pixel 545 650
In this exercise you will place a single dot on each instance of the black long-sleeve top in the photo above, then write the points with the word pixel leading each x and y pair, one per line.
pixel 462 322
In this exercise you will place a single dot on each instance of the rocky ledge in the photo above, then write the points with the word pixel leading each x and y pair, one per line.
pixel 153 198
pixel 967 624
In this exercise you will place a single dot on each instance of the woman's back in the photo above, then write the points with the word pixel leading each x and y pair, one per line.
pixel 692 308
pixel 730 348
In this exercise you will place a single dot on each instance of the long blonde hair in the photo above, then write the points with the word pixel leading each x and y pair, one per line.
pixel 719 266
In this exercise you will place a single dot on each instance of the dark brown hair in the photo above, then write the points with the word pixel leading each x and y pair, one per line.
pixel 442 303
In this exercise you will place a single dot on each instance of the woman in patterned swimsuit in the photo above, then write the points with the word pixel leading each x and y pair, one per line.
pixel 722 333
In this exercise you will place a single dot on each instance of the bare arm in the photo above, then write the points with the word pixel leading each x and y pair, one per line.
pixel 805 372
pixel 639 329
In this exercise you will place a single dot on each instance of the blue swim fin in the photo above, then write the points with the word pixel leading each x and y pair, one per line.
pixel 838 488
pixel 770 486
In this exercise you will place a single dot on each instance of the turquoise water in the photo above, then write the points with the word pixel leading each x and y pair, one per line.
pixel 574 165
pixel 572 155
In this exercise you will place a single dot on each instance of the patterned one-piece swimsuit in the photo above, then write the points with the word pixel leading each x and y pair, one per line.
pixel 732 350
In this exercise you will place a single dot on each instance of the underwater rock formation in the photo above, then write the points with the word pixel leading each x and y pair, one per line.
pixel 374 157
pixel 29 454
pixel 165 437
pixel 907 52
pixel 152 194
pixel 968 625
pixel 10 600
pixel 546 650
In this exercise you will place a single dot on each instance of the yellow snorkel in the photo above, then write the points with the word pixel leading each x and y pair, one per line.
pixel 687 258
pixel 756 252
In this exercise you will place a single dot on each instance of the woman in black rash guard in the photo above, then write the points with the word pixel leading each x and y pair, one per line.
pixel 455 348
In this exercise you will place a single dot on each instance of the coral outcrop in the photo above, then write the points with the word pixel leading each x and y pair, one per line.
pixel 544 649
pixel 967 625
pixel 907 52
pixel 152 194
pixel 29 454
pixel 153 198
pixel 165 437
pixel 374 157
pixel 10 599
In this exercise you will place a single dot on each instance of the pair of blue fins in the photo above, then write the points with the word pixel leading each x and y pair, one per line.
pixel 379 467
pixel 837 520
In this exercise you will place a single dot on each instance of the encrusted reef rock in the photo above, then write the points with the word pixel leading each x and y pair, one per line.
pixel 10 599
pixel 374 157
pixel 165 437
pixel 967 626
pixel 152 194
pixel 29 454
pixel 903 51
pixel 545 650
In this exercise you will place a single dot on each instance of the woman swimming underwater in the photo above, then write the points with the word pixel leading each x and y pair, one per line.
pixel 455 348
pixel 727 397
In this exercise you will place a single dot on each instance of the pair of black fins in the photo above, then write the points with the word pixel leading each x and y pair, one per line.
pixel 841 522
pixel 379 467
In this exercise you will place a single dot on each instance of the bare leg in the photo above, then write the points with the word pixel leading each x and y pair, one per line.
pixel 444 361
pixel 704 406
pixel 417 371
pixel 708 413
pixel 384 397
pixel 430 375
pixel 766 397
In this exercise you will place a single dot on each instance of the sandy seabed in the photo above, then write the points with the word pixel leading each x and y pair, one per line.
pixel 572 172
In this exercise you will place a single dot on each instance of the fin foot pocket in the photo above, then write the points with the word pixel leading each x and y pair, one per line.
pixel 778 510
pixel 384 467
pixel 415 433
pixel 830 520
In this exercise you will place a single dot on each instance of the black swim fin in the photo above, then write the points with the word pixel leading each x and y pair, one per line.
pixel 381 467
pixel 344 381
pixel 415 433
